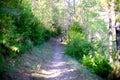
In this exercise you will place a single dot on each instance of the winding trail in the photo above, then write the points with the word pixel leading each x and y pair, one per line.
pixel 48 62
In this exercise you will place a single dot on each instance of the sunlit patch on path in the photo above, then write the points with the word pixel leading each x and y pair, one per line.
pixel 48 62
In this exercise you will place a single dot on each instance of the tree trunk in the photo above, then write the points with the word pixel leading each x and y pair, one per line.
pixel 110 40
pixel 111 26
pixel 118 39
pixel 74 7
pixel 117 28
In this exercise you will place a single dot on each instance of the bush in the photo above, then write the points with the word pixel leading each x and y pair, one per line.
pixel 87 52
pixel 98 64
pixel 115 73
pixel 4 67
pixel 56 31
pixel 2 63
pixel 19 30
pixel 19 33
pixel 76 28
pixel 77 45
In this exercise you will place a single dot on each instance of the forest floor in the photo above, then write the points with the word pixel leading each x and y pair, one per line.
pixel 48 62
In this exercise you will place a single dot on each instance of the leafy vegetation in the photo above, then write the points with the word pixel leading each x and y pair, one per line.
pixel 115 73
pixel 77 44
pixel 87 52
pixel 26 23
pixel 98 64
pixel 20 30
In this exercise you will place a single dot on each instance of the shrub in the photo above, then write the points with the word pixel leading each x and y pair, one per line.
pixel 77 45
pixel 98 64
pixel 19 30
pixel 115 73
pixel 4 67
pixel 2 63
pixel 56 31
pixel 76 27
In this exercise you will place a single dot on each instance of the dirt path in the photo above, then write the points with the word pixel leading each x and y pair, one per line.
pixel 48 62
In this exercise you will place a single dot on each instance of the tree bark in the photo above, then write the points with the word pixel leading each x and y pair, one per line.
pixel 111 26
pixel 117 27
pixel 118 39
pixel 110 40
pixel 74 7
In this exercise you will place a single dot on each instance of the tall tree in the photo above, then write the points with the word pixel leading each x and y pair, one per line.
pixel 117 9
pixel 74 6
pixel 111 26
pixel 118 39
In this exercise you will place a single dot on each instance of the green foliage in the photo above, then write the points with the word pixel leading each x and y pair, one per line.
pixel 88 52
pixel 2 62
pixel 117 8
pixel 98 64
pixel 99 47
pixel 117 17
pixel 58 31
pixel 117 5
pixel 77 47
pixel 115 74
pixel 76 28
pixel 4 67
pixel 20 30
pixel 77 44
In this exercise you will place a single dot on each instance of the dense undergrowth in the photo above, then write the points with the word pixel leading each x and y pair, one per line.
pixel 77 45
pixel 20 30
pixel 89 53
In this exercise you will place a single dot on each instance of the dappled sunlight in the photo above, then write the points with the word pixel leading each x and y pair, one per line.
pixel 47 74
pixel 98 36
pixel 59 64
pixel 54 70
pixel 51 73
pixel 41 66
pixel 14 48
pixel 64 43
pixel 37 67
pixel 52 65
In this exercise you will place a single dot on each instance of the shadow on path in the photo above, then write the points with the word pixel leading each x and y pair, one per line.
pixel 48 62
